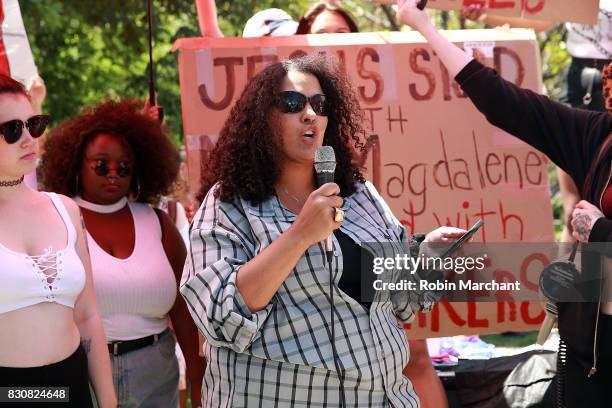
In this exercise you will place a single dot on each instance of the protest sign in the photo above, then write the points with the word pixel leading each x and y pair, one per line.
pixel 584 12
pixel 429 152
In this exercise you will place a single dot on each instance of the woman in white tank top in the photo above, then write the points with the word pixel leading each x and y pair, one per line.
pixel 116 162
pixel 50 330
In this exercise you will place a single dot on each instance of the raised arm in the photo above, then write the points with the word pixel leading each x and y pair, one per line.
pixel 567 136
pixel 207 18
pixel 453 57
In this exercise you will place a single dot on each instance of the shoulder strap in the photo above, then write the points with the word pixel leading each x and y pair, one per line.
pixel 61 209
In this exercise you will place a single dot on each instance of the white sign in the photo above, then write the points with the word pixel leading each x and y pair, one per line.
pixel 15 54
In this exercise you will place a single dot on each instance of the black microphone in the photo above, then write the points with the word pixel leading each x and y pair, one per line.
pixel 325 166
pixel 422 4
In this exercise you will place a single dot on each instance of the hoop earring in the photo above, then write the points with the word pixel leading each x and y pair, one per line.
pixel 137 195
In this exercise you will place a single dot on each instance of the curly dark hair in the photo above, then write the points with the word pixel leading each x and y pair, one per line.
pixel 246 159
pixel 305 23
pixel 156 160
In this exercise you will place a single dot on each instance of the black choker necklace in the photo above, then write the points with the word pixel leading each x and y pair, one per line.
pixel 11 183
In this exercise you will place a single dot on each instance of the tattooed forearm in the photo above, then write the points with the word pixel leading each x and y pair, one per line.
pixel 582 226
pixel 86 343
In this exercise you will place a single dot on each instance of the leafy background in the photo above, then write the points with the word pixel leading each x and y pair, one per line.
pixel 90 50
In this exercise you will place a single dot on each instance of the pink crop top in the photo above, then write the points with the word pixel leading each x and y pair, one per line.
pixel 54 276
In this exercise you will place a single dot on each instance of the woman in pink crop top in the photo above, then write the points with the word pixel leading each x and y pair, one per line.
pixel 116 162
pixel 50 331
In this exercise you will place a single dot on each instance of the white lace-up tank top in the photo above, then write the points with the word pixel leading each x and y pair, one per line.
pixel 54 276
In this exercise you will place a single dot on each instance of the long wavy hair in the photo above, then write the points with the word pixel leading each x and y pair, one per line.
pixel 246 160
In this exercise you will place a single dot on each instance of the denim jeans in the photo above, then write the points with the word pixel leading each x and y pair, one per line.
pixel 148 377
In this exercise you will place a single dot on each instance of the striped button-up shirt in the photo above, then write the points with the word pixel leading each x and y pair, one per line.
pixel 282 355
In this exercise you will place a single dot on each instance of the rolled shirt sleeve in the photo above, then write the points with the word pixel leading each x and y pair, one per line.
pixel 219 247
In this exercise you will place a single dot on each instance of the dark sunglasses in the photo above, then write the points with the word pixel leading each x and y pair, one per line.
pixel 294 102
pixel 101 168
pixel 13 129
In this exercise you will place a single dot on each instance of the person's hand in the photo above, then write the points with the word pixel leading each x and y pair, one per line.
pixel 584 217
pixel 437 237
pixel 444 234
pixel 316 219
pixel 37 90
pixel 190 211
pixel 150 111
pixel 409 14
pixel 474 11
pixel 432 246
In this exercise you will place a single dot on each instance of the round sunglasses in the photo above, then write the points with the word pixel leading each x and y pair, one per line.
pixel 294 102
pixel 13 129
pixel 101 168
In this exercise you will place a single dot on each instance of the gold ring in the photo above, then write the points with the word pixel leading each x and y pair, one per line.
pixel 339 215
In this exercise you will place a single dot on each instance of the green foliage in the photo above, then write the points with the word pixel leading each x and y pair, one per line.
pixel 90 50
pixel 555 59
pixel 87 51
pixel 233 14
pixel 511 339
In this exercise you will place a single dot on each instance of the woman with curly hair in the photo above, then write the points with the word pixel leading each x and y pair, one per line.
pixel 257 280
pixel 115 163
pixel 324 17
pixel 51 334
